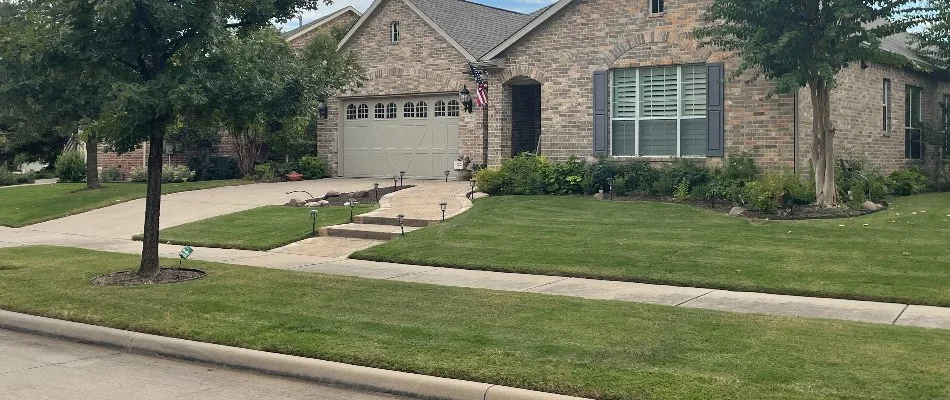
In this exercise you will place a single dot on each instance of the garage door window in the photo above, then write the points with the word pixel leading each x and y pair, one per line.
pixel 439 109
pixel 362 112
pixel 379 112
pixel 422 110
pixel 453 108
pixel 409 110
pixel 351 111
pixel 391 110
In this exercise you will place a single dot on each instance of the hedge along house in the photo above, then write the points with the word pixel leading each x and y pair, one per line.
pixel 617 78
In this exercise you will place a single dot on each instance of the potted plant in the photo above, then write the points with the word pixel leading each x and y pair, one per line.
pixel 294 176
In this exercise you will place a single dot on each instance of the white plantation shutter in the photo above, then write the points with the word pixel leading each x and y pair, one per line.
pixel 694 90
pixel 625 93
pixel 659 87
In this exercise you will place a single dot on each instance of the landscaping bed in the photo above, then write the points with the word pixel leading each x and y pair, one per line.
pixel 29 205
pixel 262 228
pixel 368 196
pixel 791 212
pixel 598 349
pixel 896 255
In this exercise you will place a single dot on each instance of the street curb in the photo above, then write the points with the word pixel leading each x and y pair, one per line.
pixel 403 383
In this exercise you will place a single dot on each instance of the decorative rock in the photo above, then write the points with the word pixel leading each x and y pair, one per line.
pixel 331 193
pixel 599 196
pixel 737 211
pixel 313 204
pixel 871 206
pixel 294 203
pixel 479 195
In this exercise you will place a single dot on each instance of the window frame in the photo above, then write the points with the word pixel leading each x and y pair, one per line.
pixel 394 32
pixel 351 111
pixel 439 109
pixel 886 106
pixel 453 108
pixel 639 110
pixel 362 111
pixel 392 110
pixel 409 109
pixel 657 7
pixel 424 107
pixel 909 128
pixel 379 111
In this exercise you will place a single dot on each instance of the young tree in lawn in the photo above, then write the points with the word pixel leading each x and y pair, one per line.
pixel 45 92
pixel 154 51
pixel 268 93
pixel 806 43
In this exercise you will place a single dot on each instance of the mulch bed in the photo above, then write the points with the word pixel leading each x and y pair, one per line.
pixel 165 275
pixel 798 212
pixel 362 196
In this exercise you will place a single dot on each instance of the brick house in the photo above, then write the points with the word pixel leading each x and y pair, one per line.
pixel 177 155
pixel 588 78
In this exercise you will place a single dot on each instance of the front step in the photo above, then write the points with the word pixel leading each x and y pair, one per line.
pixel 393 221
pixel 365 231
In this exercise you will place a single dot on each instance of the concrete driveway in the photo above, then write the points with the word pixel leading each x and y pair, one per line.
pixel 124 220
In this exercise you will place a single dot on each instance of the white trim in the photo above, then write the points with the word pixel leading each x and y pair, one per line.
pixel 550 12
pixel 438 29
pixel 323 21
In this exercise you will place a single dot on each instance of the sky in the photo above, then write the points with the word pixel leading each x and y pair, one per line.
pixel 524 6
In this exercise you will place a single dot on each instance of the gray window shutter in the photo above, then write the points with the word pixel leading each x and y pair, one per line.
pixel 715 119
pixel 600 113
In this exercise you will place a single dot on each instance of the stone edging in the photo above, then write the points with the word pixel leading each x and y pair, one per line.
pixel 335 373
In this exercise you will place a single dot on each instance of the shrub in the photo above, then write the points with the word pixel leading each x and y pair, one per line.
pixel 6 177
pixel 24 178
pixel 283 168
pixel 598 173
pixel 45 173
pixel 70 167
pixel 138 174
pixel 694 173
pixel 489 180
pixel 177 173
pixel 681 191
pixel 214 167
pixel 264 172
pixel 567 177
pixel 113 174
pixel 908 181
pixel 525 174
pixel 635 177
pixel 312 167
pixel 763 195
pixel 739 167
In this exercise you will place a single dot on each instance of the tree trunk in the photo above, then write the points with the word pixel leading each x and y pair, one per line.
pixel 248 149
pixel 822 147
pixel 153 198
pixel 92 162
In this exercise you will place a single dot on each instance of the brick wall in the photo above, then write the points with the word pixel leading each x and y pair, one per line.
pixel 422 62
pixel 342 22
pixel 857 113
pixel 623 34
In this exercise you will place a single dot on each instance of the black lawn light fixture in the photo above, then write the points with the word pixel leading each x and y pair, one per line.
pixel 402 224
pixel 472 181
pixel 322 109
pixel 443 205
pixel 395 181
pixel 376 192
pixel 447 172
pixel 313 216
pixel 610 187
pixel 352 204
pixel 401 175
pixel 465 97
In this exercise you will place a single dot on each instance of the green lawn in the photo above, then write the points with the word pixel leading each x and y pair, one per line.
pixel 600 349
pixel 263 228
pixel 901 255
pixel 29 205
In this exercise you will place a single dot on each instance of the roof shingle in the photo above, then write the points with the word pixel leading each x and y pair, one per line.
pixel 476 27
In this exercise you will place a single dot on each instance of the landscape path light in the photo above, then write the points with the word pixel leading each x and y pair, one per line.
pixel 376 192
pixel 443 205
pixel 313 216
pixel 352 204
pixel 447 176
pixel 395 181
pixel 402 221
pixel 401 174
pixel 610 187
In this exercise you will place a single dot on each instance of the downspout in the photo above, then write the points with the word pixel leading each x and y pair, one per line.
pixel 795 135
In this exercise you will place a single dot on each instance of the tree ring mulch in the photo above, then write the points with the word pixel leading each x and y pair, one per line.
pixel 165 275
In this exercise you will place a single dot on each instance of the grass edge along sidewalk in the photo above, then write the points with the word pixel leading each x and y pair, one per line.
pixel 898 255
pixel 261 228
pixel 28 205
pixel 588 348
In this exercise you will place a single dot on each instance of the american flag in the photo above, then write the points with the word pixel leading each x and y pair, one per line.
pixel 481 98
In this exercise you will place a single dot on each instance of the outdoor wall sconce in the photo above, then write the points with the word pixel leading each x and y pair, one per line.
pixel 442 205
pixel 447 172
pixel 376 192
pixel 401 175
pixel 313 216
pixel 322 110
pixel 465 97
pixel 402 221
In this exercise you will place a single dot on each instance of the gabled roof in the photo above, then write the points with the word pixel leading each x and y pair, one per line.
pixel 302 30
pixel 540 17
pixel 471 28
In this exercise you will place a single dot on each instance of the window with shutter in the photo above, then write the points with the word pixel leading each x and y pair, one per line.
pixel 659 111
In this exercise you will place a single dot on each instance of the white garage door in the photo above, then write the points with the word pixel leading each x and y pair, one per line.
pixel 417 134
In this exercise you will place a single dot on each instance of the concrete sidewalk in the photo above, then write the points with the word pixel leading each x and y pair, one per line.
pixel 702 298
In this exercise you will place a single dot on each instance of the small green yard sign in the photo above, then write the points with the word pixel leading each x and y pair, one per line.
pixel 185 252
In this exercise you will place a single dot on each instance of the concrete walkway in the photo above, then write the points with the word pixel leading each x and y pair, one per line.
pixel 35 183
